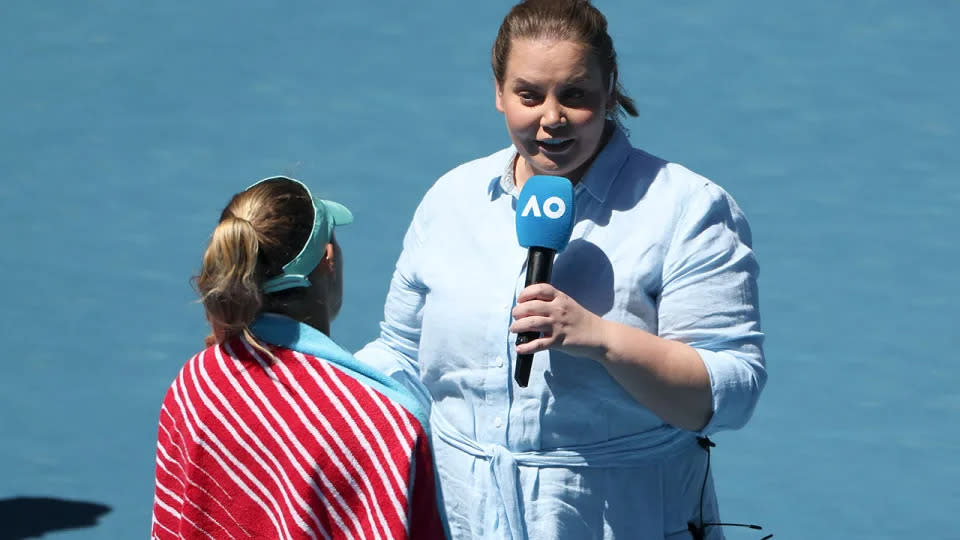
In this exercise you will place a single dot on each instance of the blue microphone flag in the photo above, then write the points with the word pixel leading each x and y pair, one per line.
pixel 545 212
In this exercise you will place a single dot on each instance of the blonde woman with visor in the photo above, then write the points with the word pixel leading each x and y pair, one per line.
pixel 275 431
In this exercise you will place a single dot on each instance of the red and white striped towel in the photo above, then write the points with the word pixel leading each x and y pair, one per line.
pixel 251 448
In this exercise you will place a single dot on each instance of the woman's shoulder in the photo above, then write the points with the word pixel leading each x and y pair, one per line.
pixel 462 190
pixel 698 200
pixel 306 354
pixel 689 189
pixel 211 366
pixel 491 164
pixel 641 174
pixel 356 390
pixel 475 174
pixel 202 361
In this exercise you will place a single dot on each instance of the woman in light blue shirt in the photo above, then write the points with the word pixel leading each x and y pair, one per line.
pixel 651 334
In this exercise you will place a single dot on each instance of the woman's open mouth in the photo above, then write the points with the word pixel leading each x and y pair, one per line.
pixel 554 145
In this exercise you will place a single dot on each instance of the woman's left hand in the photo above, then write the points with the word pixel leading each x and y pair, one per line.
pixel 667 377
pixel 564 324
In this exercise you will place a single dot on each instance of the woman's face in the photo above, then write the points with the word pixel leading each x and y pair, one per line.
pixel 335 292
pixel 325 297
pixel 554 100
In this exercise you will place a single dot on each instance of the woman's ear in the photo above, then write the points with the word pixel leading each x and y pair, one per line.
pixel 328 263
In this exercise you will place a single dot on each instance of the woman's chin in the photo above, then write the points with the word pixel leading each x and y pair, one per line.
pixel 550 168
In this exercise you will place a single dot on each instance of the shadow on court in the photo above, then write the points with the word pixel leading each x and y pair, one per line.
pixel 32 517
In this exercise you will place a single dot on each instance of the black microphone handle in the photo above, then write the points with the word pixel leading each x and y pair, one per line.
pixel 539 269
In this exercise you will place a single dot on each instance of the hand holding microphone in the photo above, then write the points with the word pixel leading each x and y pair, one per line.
pixel 545 216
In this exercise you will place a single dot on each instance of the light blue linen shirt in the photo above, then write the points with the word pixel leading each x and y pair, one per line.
pixel 573 455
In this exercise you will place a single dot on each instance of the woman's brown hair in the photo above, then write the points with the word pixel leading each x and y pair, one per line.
pixel 260 230
pixel 566 20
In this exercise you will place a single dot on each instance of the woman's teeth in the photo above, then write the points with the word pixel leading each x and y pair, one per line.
pixel 555 145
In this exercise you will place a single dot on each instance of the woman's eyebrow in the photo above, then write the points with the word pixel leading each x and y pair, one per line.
pixel 576 79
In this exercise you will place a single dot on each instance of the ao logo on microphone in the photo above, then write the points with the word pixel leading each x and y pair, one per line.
pixel 545 212
pixel 553 207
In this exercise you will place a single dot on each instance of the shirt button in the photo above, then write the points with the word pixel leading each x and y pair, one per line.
pixel 497 422
pixel 499 361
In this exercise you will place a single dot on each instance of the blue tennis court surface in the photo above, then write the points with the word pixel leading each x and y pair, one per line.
pixel 125 128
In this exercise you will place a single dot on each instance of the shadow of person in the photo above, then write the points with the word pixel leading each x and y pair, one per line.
pixel 31 517
pixel 584 272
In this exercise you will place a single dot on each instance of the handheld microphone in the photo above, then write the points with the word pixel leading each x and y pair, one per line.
pixel 545 215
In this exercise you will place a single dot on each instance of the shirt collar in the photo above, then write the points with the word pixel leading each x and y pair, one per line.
pixel 606 166
pixel 604 169
pixel 507 183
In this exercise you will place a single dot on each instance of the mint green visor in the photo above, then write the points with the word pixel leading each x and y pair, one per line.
pixel 327 215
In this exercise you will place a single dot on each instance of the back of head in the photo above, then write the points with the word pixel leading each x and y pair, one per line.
pixel 565 20
pixel 259 231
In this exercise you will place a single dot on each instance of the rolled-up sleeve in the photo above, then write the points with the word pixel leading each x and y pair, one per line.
pixel 709 301
pixel 395 351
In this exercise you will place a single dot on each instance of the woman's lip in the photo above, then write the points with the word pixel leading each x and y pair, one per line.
pixel 554 147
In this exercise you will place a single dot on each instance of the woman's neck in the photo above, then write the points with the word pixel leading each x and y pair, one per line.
pixel 311 317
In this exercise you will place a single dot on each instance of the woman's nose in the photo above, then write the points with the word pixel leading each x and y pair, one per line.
pixel 552 115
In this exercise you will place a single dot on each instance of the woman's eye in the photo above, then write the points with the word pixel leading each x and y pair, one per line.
pixel 528 98
pixel 574 94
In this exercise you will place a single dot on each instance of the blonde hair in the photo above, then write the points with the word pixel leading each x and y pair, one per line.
pixel 260 230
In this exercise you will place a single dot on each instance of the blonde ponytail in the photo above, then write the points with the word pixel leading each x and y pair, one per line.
pixel 229 283
pixel 259 231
